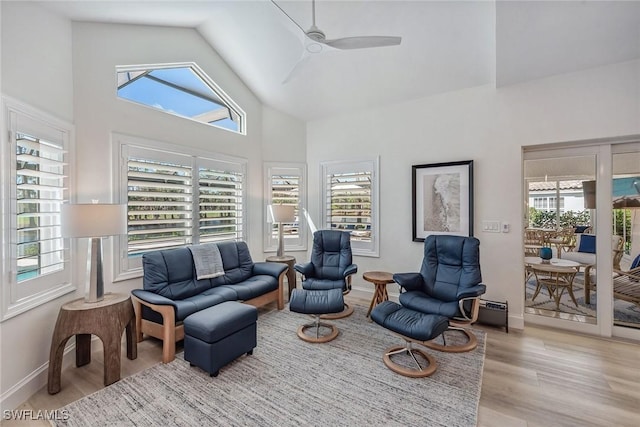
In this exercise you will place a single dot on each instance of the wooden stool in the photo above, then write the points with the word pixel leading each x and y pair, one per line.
pixel 107 319
pixel 380 279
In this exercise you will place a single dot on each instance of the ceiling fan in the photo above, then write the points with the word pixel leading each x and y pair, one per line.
pixel 316 41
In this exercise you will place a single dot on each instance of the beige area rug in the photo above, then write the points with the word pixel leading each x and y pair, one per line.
pixel 288 382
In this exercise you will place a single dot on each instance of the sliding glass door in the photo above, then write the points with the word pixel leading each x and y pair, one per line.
pixel 626 213
pixel 559 226
pixel 582 210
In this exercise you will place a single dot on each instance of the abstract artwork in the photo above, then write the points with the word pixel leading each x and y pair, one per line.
pixel 442 199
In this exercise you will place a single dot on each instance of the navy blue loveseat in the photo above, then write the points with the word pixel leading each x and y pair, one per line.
pixel 171 291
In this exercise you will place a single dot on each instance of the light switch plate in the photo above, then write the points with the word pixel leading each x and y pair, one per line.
pixel 491 226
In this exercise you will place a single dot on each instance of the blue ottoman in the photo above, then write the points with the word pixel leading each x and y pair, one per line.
pixel 412 326
pixel 215 336
pixel 315 303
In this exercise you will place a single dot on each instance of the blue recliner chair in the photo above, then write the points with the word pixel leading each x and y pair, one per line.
pixel 448 284
pixel 331 266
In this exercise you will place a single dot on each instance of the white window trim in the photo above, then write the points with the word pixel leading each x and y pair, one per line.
pixel 371 249
pixel 277 168
pixel 11 304
pixel 119 144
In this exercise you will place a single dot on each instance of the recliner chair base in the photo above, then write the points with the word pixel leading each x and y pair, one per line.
pixel 348 311
pixel 471 344
pixel 419 371
pixel 333 332
pixel 316 303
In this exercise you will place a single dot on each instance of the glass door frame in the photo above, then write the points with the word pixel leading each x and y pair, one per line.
pixel 603 151
pixel 622 331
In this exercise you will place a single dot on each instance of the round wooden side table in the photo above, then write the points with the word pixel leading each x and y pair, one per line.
pixel 380 279
pixel 107 319
pixel 291 273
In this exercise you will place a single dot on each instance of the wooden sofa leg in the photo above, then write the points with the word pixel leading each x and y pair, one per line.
pixel 168 334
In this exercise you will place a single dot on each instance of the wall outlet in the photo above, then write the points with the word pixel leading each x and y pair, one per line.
pixel 506 227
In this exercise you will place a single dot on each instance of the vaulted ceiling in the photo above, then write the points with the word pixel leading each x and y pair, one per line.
pixel 446 45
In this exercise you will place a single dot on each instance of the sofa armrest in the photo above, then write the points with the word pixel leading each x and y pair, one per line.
pixel 274 269
pixel 409 281
pixel 305 268
pixel 152 298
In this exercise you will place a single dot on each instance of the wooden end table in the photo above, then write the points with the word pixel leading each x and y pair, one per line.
pixel 380 279
pixel 291 273
pixel 107 319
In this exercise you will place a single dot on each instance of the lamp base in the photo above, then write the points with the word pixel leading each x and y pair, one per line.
pixel 280 251
pixel 95 278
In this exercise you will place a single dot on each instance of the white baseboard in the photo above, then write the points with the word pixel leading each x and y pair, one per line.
pixel 32 383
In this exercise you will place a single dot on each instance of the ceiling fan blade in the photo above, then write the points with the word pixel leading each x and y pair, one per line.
pixel 363 42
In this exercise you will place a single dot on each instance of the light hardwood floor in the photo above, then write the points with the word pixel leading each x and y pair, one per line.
pixel 536 377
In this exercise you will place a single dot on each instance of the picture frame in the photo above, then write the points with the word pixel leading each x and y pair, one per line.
pixel 442 199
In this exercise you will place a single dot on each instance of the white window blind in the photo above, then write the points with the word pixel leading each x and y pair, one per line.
pixel 175 198
pixel 40 187
pixel 351 202
pixel 220 193
pixel 36 181
pixel 159 204
pixel 285 185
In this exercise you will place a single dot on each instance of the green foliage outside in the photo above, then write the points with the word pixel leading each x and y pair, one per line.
pixel 547 219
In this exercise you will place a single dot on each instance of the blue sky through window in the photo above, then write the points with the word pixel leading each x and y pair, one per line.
pixel 177 91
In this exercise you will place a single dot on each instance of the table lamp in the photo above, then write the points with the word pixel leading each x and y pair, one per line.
pixel 281 214
pixel 95 221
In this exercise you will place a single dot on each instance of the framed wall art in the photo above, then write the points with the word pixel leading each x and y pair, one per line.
pixel 442 199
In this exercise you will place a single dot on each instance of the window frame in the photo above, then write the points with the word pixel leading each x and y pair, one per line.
pixel 199 72
pixel 123 267
pixel 271 169
pixel 371 165
pixel 17 298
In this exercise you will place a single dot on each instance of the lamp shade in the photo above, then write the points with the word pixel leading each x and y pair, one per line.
pixel 93 220
pixel 282 213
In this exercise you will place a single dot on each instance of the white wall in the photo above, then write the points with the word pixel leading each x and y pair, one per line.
pixel 36 69
pixel 81 78
pixel 482 124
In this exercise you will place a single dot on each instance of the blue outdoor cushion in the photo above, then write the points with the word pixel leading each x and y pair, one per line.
pixel 635 263
pixel 587 243
pixel 581 228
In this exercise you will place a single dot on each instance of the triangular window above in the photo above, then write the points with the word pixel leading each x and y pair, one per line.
pixel 183 90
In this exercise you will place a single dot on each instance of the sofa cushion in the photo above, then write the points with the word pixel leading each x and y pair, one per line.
pixel 253 287
pixel 587 243
pixel 171 273
pixel 213 296
pixel 580 257
pixel 238 265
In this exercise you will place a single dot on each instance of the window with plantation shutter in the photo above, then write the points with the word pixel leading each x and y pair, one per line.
pixel 350 192
pixel 175 198
pixel 40 188
pixel 36 178
pixel 160 200
pixel 285 185
pixel 220 194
